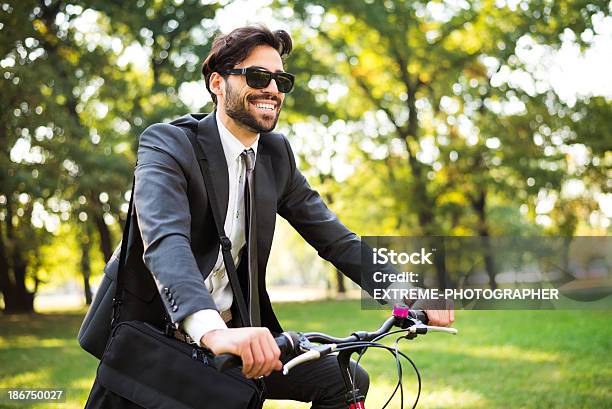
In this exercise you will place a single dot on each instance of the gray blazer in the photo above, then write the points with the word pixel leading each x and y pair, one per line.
pixel 176 240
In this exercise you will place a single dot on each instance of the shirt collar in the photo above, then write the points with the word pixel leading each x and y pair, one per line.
pixel 232 147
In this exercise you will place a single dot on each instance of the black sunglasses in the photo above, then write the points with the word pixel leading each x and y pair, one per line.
pixel 260 78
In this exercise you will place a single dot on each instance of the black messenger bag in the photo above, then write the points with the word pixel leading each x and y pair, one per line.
pixel 145 366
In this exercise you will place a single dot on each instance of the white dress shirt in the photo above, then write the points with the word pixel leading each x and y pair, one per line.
pixel 203 321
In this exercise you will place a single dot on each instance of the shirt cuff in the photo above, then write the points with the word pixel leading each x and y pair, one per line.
pixel 202 322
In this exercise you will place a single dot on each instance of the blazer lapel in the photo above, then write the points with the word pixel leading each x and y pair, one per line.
pixel 208 136
pixel 265 200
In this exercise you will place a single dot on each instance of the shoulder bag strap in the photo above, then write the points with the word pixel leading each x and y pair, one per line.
pixel 226 244
pixel 118 299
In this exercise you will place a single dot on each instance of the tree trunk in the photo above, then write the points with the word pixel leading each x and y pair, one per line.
pixel 479 205
pixel 26 299
pixel 17 298
pixel 490 262
pixel 340 282
pixel 85 265
pixel 5 281
pixel 106 245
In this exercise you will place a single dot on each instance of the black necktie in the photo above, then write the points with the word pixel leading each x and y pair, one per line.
pixel 251 235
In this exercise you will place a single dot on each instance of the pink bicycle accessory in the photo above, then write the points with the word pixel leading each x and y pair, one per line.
pixel 401 311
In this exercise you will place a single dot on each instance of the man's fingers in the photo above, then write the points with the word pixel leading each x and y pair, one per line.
pixel 270 361
pixel 433 317
pixel 259 359
pixel 266 356
pixel 274 355
pixel 255 346
pixel 273 347
pixel 247 359
pixel 441 318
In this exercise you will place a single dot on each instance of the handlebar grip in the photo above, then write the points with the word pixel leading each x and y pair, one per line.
pixel 225 362
pixel 288 343
pixel 421 316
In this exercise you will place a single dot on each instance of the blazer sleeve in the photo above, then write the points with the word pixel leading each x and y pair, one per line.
pixel 304 209
pixel 162 207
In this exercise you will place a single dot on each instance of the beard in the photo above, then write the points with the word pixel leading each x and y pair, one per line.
pixel 243 115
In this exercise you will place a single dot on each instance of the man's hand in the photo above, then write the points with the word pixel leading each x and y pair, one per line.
pixel 256 346
pixel 441 318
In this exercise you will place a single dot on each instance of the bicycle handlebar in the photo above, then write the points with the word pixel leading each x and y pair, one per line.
pixel 297 347
pixel 287 342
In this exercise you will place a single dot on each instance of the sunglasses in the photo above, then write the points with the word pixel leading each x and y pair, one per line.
pixel 259 78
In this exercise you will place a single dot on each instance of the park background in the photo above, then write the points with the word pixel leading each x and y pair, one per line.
pixel 417 118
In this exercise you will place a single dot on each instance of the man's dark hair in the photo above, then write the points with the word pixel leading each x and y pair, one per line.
pixel 229 50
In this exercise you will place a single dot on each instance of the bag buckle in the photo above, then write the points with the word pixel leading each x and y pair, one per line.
pixel 226 244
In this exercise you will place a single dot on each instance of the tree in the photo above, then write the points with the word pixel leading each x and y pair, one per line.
pixel 73 113
pixel 426 75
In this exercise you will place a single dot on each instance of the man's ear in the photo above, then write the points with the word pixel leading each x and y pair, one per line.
pixel 216 84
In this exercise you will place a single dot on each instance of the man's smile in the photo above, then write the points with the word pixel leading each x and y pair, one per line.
pixel 264 104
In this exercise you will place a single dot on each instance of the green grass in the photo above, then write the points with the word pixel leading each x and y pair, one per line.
pixel 500 359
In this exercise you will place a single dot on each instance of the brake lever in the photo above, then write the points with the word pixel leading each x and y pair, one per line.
pixel 421 328
pixel 313 353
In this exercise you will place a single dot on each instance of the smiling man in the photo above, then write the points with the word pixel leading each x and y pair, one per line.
pixel 255 177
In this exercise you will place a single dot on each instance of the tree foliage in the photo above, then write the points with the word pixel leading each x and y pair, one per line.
pixel 411 117
pixel 74 100
pixel 456 135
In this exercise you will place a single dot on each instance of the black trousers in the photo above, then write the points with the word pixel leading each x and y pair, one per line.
pixel 318 382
